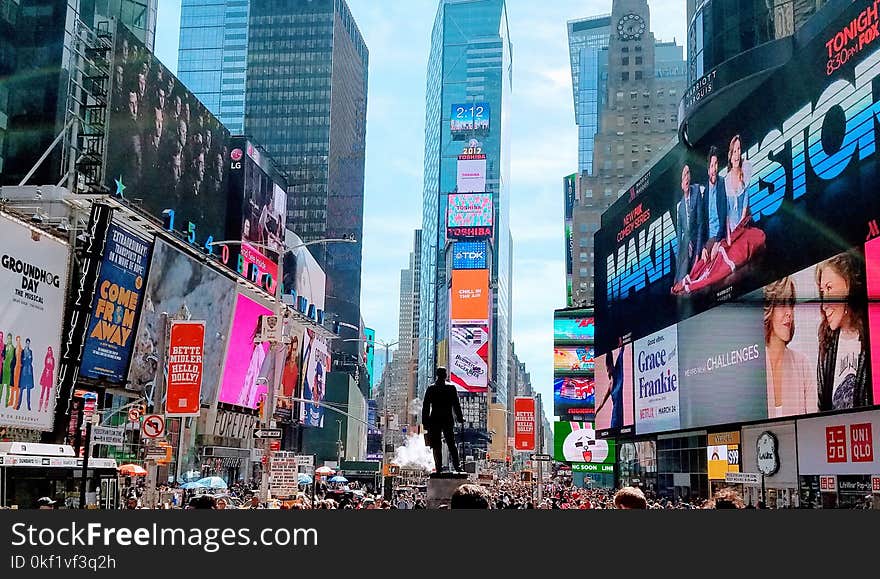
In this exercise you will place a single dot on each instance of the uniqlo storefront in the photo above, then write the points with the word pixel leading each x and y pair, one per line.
pixel 837 460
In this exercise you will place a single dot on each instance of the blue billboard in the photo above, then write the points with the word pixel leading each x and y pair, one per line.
pixel 469 119
pixel 113 321
pixel 469 255
pixel 374 435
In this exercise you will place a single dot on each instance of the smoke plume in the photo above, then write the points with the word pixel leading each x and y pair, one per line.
pixel 414 454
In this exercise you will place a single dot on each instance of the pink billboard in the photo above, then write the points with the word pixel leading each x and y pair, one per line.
pixel 872 267
pixel 246 362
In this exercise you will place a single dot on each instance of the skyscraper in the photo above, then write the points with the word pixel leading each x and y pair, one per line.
pixel 587 45
pixel 466 288
pixel 36 71
pixel 212 57
pixel 645 82
pixel 306 103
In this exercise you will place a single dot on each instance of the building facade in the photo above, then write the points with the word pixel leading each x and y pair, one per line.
pixel 588 53
pixel 306 104
pixel 470 74
pixel 212 58
pixel 645 82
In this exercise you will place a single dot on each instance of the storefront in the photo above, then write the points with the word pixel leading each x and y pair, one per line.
pixel 771 450
pixel 637 465
pixel 682 466
pixel 836 459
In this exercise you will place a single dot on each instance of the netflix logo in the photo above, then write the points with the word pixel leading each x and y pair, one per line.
pixel 835 443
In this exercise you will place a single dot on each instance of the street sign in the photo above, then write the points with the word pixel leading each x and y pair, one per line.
pixel 305 460
pixel 544 457
pixel 153 426
pixel 275 445
pixel 155 452
pixel 108 435
pixel 743 478
pixel 265 433
pixel 134 414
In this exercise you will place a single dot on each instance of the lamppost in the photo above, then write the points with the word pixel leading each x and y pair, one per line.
pixel 279 312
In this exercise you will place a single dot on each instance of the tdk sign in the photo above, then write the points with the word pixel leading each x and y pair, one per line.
pixel 469 255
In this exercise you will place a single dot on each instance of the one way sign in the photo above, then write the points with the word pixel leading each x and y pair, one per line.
pixel 263 433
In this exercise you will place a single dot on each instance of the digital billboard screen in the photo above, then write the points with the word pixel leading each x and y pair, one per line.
pixel 471 173
pixel 470 295
pixel 872 263
pixel 469 357
pixel 469 210
pixel 165 150
pixel 468 232
pixel 576 443
pixel 580 327
pixel 657 382
pixel 248 366
pixel 573 359
pixel 773 186
pixel 614 391
pixel 469 120
pixel 470 255
pixel 574 398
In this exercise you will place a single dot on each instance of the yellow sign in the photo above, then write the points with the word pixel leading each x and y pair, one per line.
pixel 719 438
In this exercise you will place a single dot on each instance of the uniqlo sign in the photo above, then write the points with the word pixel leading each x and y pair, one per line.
pixel 524 424
pixel 835 443
pixel 839 445
pixel 828 484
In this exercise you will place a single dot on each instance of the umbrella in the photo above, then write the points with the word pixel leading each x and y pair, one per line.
pixel 339 479
pixel 211 482
pixel 132 470
pixel 324 471
pixel 190 485
pixel 304 479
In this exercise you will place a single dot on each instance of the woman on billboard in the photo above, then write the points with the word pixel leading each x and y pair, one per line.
pixel 743 240
pixel 47 379
pixel 249 395
pixel 790 383
pixel 843 364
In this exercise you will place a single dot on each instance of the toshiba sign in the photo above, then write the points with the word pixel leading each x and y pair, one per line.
pixel 842 444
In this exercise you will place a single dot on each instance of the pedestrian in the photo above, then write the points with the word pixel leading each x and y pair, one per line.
pixel 726 498
pixel 255 503
pixel 630 498
pixel 469 496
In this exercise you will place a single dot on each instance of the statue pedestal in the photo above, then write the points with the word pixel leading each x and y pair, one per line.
pixel 442 485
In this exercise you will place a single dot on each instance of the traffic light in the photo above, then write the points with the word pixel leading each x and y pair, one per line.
pixel 261 407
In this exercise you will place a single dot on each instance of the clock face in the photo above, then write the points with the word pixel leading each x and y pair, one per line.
pixel 630 27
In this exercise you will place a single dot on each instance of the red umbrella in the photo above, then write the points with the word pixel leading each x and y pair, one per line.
pixel 132 470
pixel 324 471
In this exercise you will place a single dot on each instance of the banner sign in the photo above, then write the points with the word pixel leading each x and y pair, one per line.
pixel 185 364
pixel 524 423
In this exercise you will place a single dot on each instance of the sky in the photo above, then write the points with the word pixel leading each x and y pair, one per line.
pixel 543 143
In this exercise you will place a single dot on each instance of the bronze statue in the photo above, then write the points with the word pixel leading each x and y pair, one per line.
pixel 439 411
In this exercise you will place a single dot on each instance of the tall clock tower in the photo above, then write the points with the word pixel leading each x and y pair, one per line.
pixel 630 51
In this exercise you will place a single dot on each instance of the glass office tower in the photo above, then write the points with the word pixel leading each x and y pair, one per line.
pixel 588 50
pixel 470 67
pixel 212 57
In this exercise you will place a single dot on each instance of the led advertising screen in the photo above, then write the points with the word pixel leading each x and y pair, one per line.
pixel 165 150
pixel 110 335
pixel 469 120
pixel 570 183
pixel 470 295
pixel 470 255
pixel 303 276
pixel 872 263
pixel 469 210
pixel 471 173
pixel 374 435
pixel 286 410
pixel 33 286
pixel 469 357
pixel 574 398
pixel 574 359
pixel 468 232
pixel 369 350
pixel 839 444
pixel 316 365
pixel 773 186
pixel 581 327
pixel 247 370
pixel 722 454
pixel 614 391
pixel 576 443
pixel 657 383
pixel 257 213
pixel 187 290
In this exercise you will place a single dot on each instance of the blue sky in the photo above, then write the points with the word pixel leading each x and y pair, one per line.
pixel 544 149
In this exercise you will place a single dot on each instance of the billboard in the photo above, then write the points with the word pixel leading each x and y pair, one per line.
pixel 165 150
pixel 722 454
pixel 789 183
pixel 576 443
pixel 374 435
pixel 286 410
pixel 872 263
pixel 469 357
pixel 470 295
pixel 468 232
pixel 369 348
pixel 841 444
pixel 247 369
pixel 722 367
pixel 33 278
pixel 110 335
pixel 303 276
pixel 614 390
pixel 469 120
pixel 574 398
pixel 185 289
pixel 469 210
pixel 570 187
pixel 470 255
pixel 574 359
pixel 524 429
pixel 657 382
pixel 316 365
pixel 186 354
pixel 580 328
pixel 257 213
pixel 471 173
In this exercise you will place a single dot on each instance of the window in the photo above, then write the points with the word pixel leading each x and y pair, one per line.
pixel 583 285
pixel 635 163
pixel 633 95
pixel 625 61
pixel 624 49
pixel 638 75
pixel 584 258
pixel 588 193
pixel 620 148
pixel 624 76
pixel 620 163
pixel 638 60
pixel 607 191
pixel 583 242
pixel 619 120
pixel 583 272
pixel 647 120
pixel 660 93
pixel 583 227
pixel 619 95
pixel 638 48
pixel 672 92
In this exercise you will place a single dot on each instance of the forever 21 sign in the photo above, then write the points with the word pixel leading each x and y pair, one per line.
pixel 233 424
